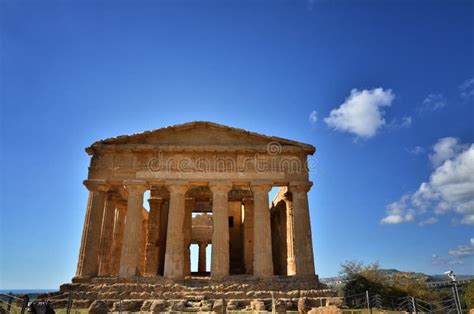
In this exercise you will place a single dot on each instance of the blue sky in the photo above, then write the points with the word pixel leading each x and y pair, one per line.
pixel 383 89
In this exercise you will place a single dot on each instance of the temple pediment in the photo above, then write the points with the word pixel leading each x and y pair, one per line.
pixel 199 134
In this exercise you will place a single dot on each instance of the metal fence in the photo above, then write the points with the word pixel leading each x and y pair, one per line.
pixel 376 302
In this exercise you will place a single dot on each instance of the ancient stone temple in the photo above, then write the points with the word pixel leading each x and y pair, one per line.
pixel 206 185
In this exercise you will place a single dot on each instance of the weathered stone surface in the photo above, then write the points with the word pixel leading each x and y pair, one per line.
pixel 334 301
pixel 98 307
pixel 303 306
pixel 218 306
pixel 232 305
pixel 128 305
pixel 325 310
pixel 158 306
pixel 178 305
pixel 257 305
pixel 206 306
pixel 280 306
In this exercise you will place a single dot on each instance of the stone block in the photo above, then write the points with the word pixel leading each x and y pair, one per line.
pixel 280 306
pixel 218 306
pixel 325 310
pixel 98 307
pixel 128 305
pixel 178 305
pixel 257 305
pixel 232 305
pixel 206 306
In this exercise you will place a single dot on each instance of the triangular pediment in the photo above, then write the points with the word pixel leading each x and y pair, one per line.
pixel 200 133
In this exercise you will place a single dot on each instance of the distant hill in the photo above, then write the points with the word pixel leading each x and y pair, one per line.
pixel 400 276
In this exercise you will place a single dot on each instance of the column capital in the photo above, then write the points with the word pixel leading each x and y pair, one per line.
pixel 97 185
pixel 135 186
pixel 299 187
pixel 220 186
pixel 258 187
pixel 180 188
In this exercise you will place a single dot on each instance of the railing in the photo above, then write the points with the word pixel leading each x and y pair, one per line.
pixel 13 304
pixel 371 303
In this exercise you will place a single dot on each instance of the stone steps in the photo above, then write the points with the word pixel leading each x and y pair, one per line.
pixel 189 295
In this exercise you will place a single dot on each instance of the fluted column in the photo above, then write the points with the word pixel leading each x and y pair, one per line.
pixel 188 222
pixel 303 248
pixel 153 239
pixel 130 261
pixel 220 230
pixel 248 235
pixel 88 262
pixel 202 257
pixel 291 267
pixel 174 257
pixel 107 234
pixel 119 228
pixel 263 262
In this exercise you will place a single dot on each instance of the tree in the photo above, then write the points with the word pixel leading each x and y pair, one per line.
pixel 360 278
pixel 469 295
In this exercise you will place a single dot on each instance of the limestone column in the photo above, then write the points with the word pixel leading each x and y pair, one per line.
pixel 187 229
pixel 263 262
pixel 153 243
pixel 163 234
pixel 248 235
pixel 107 236
pixel 291 267
pixel 303 248
pixel 88 263
pixel 174 257
pixel 144 239
pixel 220 230
pixel 130 261
pixel 202 257
pixel 119 228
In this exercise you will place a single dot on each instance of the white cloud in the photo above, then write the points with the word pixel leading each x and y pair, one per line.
pixel 433 102
pixel 404 122
pixel 417 150
pixel 361 114
pixel 467 89
pixel 462 250
pixel 455 255
pixel 429 221
pixel 313 117
pixel 450 188
pixel 445 149
pixel 468 220
pixel 393 219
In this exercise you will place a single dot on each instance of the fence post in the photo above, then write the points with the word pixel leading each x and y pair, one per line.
pixel 368 301
pixel 413 302
pixel 69 303
pixel 456 300
pixel 9 305
pixel 24 304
